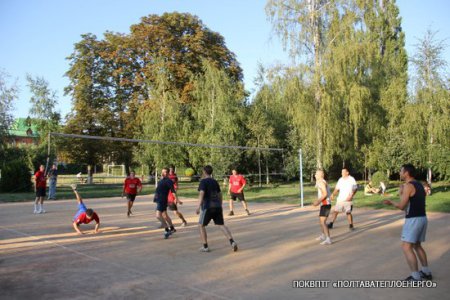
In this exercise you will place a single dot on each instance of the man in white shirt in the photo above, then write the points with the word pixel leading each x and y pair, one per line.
pixel 347 187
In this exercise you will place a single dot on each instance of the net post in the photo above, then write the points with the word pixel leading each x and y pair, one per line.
pixel 301 176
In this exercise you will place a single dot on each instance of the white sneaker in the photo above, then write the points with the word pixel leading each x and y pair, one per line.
pixel 326 242
pixel 73 186
pixel 203 249
pixel 184 224
pixel 35 211
pixel 42 211
pixel 321 238
pixel 234 246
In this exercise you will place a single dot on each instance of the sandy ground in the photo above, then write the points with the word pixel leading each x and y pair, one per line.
pixel 42 258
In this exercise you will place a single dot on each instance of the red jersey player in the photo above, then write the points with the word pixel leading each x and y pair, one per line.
pixel 236 191
pixel 130 189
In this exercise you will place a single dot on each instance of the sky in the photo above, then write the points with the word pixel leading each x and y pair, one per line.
pixel 38 35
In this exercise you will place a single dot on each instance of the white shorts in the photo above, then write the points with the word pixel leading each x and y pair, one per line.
pixel 344 206
pixel 414 230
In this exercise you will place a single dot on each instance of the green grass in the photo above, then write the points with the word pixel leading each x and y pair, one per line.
pixel 288 193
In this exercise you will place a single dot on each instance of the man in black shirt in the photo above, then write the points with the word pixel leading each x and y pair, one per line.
pixel 161 195
pixel 210 206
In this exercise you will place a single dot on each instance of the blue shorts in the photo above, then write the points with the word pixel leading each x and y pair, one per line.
pixel 161 206
pixel 414 230
pixel 81 209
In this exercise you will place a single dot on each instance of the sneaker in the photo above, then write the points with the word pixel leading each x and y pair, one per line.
pixel 231 213
pixel 350 227
pixel 35 211
pixel 330 225
pixel 326 242
pixel 42 211
pixel 234 246
pixel 167 234
pixel 184 224
pixel 128 213
pixel 411 278
pixel 173 231
pixel 73 186
pixel 203 249
pixel 321 238
pixel 248 213
pixel 425 275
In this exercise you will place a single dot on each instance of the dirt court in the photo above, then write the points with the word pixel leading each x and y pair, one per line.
pixel 42 258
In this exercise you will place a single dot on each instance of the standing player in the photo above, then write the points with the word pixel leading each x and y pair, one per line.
pixel 172 201
pixel 84 215
pixel 323 199
pixel 347 187
pixel 412 200
pixel 53 177
pixel 236 190
pixel 130 188
pixel 161 198
pixel 210 205
pixel 40 185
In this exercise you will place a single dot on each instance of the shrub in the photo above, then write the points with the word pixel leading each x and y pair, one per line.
pixel 379 176
pixel 16 177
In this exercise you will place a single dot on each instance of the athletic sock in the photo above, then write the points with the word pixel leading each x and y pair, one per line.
pixel 167 229
pixel 231 241
pixel 426 270
pixel 205 245
pixel 416 275
pixel 39 207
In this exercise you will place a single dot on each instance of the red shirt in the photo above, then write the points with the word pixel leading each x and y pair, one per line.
pixel 40 179
pixel 83 219
pixel 131 185
pixel 174 178
pixel 236 182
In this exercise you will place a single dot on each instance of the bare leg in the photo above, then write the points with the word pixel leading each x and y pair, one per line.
pixel 203 234
pixel 180 215
pixel 421 254
pixel 324 227
pixel 410 256
pixel 166 218
pixel 231 205
pixel 226 231
pixel 334 216
pixel 350 218
pixel 161 219
pixel 244 203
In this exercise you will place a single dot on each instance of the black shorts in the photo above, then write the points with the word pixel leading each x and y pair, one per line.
pixel 172 206
pixel 161 206
pixel 40 192
pixel 212 213
pixel 325 210
pixel 239 196
pixel 131 197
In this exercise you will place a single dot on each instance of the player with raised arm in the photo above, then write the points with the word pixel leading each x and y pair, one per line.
pixel 84 215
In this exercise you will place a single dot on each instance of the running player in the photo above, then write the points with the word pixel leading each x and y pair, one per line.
pixel 84 215
pixel 130 188
pixel 412 200
pixel 210 205
pixel 40 185
pixel 323 199
pixel 236 186
pixel 347 187
pixel 161 198
pixel 172 201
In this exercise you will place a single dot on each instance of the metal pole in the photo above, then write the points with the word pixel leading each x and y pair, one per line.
pixel 301 176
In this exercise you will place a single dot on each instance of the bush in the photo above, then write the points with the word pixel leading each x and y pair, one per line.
pixel 189 172
pixel 378 177
pixel 16 177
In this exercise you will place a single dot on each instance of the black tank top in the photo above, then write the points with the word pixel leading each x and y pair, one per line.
pixel 416 205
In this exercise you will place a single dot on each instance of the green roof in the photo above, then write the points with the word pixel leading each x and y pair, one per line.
pixel 24 127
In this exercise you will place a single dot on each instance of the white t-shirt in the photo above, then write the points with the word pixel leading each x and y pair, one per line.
pixel 346 187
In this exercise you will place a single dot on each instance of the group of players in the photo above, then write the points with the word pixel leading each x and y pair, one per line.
pixel 412 200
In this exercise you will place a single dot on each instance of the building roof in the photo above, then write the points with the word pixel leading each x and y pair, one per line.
pixel 24 127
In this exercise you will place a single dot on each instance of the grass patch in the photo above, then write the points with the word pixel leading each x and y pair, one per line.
pixel 288 193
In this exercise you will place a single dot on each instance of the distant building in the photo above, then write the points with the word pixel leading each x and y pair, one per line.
pixel 23 131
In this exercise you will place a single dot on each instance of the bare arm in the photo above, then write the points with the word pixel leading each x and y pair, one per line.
pixel 242 188
pixel 97 226
pixel 77 228
pixel 406 191
pixel 201 196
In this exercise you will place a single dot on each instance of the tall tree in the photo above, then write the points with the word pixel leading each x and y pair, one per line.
pixel 429 116
pixel 8 94
pixel 43 102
